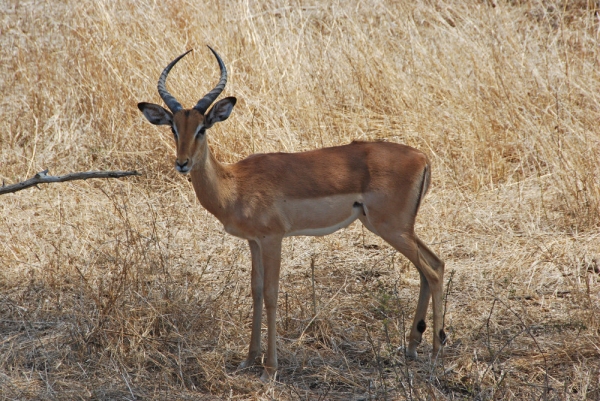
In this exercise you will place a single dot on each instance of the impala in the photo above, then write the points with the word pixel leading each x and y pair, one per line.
pixel 267 197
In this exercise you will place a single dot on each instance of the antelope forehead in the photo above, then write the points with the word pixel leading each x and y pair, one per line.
pixel 188 121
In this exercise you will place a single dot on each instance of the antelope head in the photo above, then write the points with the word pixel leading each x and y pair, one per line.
pixel 189 125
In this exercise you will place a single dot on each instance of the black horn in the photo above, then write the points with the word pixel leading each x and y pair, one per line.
pixel 169 100
pixel 204 103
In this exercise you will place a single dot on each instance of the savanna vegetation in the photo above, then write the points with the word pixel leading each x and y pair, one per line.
pixel 129 289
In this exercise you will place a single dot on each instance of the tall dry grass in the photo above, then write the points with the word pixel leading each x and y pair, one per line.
pixel 130 290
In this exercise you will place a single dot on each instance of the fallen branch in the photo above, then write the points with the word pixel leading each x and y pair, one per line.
pixel 44 178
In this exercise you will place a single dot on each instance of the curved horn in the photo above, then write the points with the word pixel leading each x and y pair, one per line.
pixel 210 97
pixel 169 100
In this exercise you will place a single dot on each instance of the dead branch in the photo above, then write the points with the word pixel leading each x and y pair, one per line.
pixel 44 178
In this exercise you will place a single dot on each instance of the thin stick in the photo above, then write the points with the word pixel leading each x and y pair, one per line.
pixel 287 311
pixel 44 178
pixel 312 268
pixel 322 309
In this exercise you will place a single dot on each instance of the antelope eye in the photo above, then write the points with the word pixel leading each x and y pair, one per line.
pixel 174 133
pixel 201 131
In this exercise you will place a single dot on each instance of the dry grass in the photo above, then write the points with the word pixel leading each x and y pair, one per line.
pixel 130 290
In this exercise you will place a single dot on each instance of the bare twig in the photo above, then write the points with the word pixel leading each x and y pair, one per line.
pixel 312 269
pixel 44 178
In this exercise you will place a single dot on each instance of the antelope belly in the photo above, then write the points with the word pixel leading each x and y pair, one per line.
pixel 322 216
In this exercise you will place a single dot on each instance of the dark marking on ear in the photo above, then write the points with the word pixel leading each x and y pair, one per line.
pixel 421 326
pixel 442 336
pixel 155 121
pixel 156 114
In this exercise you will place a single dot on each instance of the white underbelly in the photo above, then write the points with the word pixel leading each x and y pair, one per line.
pixel 317 217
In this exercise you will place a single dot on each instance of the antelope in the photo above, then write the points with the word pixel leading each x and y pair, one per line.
pixel 267 197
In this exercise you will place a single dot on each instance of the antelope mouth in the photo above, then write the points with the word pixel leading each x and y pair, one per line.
pixel 182 169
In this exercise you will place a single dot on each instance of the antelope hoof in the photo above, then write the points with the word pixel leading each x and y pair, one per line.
pixel 438 352
pixel 246 364
pixel 410 353
pixel 267 377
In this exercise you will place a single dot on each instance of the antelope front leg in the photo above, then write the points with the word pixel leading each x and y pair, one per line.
pixel 271 259
pixel 257 282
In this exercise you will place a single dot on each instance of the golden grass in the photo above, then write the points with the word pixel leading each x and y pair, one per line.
pixel 130 290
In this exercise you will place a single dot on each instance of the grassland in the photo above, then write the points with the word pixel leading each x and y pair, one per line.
pixel 128 289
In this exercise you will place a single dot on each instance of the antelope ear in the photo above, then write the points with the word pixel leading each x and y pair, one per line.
pixel 219 112
pixel 156 114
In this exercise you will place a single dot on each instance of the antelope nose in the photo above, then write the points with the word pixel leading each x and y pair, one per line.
pixel 182 167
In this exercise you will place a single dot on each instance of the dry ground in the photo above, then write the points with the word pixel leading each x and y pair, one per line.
pixel 128 289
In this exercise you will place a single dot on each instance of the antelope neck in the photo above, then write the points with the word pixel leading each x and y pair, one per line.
pixel 212 184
